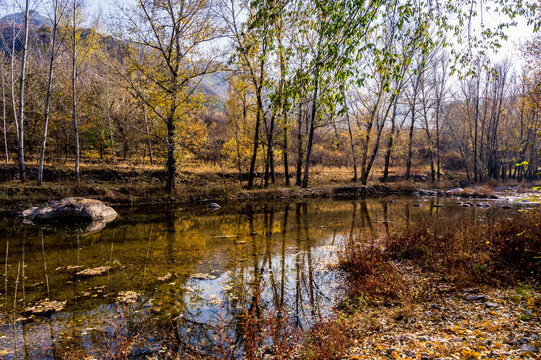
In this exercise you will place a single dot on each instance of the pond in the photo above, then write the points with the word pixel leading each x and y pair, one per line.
pixel 165 282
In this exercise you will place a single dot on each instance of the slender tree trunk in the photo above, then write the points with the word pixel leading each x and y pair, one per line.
pixel 12 74
pixel 476 121
pixel 352 143
pixel 410 137
pixel 270 151
pixel 149 140
pixel 48 97
pixel 171 161
pixel 74 93
pixel 22 168
pixel 390 143
pixel 300 153
pixel 256 139
pixel 438 140
pixel 285 150
pixel 311 131
pixel 111 127
pixel 4 118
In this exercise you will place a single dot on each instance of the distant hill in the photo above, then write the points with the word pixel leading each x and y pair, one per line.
pixel 214 85
pixel 36 19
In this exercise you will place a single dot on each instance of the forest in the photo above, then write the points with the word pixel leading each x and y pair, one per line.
pixel 385 90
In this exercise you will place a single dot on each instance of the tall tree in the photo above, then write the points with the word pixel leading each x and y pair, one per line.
pixel 22 79
pixel 175 37
pixel 57 14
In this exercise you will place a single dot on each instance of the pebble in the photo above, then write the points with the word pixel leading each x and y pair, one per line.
pixel 491 305
pixel 410 353
pixel 475 297
pixel 528 348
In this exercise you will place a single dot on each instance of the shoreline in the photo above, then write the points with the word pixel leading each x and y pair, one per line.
pixel 132 187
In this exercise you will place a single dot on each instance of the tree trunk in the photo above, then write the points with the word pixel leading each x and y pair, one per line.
pixel 390 143
pixel 12 74
pixel 74 94
pixel 110 126
pixel 286 163
pixel 352 143
pixel 22 168
pixel 256 139
pixel 171 161
pixel 311 131
pixel 298 180
pixel 149 140
pixel 4 118
pixel 48 98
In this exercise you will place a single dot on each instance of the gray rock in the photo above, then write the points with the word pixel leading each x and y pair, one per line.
pixel 484 205
pixel 454 191
pixel 417 205
pixel 466 205
pixel 491 305
pixel 213 205
pixel 528 348
pixel 410 353
pixel 475 297
pixel 71 209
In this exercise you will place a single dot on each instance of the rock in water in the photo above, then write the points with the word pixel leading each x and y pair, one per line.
pixel 213 205
pixel 71 209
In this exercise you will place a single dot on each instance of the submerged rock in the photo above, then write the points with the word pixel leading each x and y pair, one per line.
pixel 94 272
pixel 200 276
pixel 455 191
pixel 214 206
pixel 45 307
pixel 128 297
pixel 71 209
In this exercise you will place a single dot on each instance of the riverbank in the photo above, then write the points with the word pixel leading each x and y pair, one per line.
pixel 131 186
pixel 434 290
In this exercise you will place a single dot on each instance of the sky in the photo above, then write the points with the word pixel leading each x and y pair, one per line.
pixel 517 34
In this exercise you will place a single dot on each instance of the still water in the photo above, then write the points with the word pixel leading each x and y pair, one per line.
pixel 165 282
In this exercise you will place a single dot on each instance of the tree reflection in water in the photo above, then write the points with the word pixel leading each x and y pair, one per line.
pixel 243 279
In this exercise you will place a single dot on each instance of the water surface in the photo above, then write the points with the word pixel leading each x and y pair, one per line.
pixel 189 279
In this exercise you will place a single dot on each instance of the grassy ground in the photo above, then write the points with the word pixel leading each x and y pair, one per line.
pixel 137 185
pixel 128 184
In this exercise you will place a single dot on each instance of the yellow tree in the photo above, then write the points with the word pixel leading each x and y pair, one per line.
pixel 169 45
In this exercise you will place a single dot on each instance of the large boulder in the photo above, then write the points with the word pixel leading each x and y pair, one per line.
pixel 71 209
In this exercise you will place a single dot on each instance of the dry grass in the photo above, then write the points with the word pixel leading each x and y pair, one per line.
pixel 463 254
